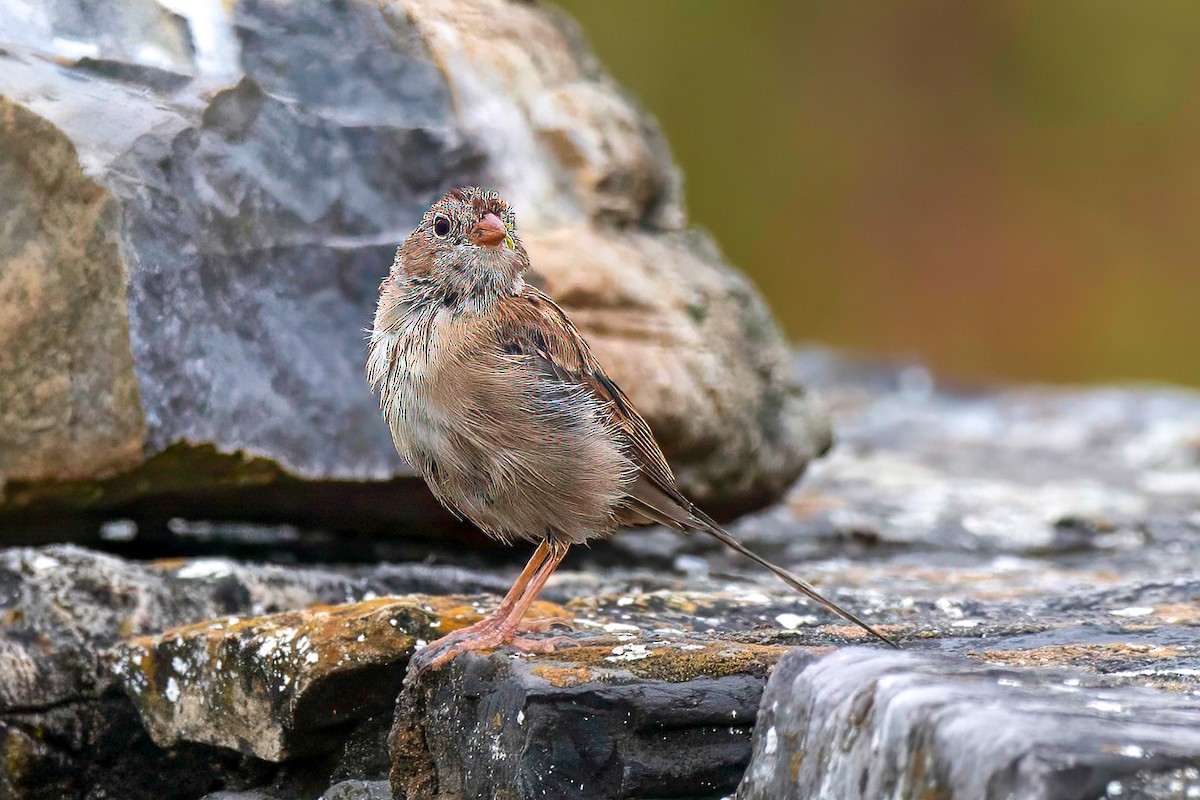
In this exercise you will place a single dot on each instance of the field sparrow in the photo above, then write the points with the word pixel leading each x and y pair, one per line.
pixel 496 400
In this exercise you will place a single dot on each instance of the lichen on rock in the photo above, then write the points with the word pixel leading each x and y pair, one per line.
pixel 271 686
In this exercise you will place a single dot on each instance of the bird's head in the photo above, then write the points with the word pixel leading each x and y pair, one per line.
pixel 465 248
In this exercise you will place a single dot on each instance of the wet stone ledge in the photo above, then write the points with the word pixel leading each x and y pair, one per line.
pixel 626 721
pixel 606 718
pixel 68 729
pixel 861 724
pixel 279 686
pixel 1036 551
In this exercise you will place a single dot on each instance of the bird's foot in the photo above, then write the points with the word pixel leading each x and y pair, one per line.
pixel 481 636
pixel 464 640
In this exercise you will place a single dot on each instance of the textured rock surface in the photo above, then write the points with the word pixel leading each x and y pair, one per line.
pixel 68 395
pixel 905 522
pixel 626 721
pixel 1021 470
pixel 67 730
pixel 345 790
pixel 359 790
pixel 869 724
pixel 259 685
pixel 970 475
pixel 230 180
pixel 286 684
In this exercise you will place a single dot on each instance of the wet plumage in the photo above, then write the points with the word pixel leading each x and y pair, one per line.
pixel 497 401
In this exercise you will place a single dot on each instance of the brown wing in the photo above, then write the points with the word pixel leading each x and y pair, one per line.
pixel 535 327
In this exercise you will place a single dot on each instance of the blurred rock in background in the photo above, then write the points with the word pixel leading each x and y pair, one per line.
pixel 201 199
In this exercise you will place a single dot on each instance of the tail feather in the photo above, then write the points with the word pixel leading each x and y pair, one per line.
pixel 651 504
pixel 706 524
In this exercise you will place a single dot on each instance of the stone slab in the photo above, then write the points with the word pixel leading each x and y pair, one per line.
pixel 867 724
pixel 631 720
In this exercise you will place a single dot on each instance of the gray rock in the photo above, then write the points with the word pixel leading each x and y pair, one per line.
pixel 359 790
pixel 97 748
pixel 624 721
pixel 345 790
pixel 64 607
pixel 1020 470
pixel 1106 599
pixel 139 33
pixel 66 730
pixel 229 182
pixel 869 724
pixel 971 476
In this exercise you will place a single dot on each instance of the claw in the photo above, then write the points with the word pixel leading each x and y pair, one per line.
pixel 498 627
pixel 483 638
pixel 483 635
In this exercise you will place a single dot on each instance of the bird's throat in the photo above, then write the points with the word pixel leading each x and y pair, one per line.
pixel 476 282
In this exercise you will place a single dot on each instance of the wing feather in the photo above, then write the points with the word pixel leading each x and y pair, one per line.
pixel 537 329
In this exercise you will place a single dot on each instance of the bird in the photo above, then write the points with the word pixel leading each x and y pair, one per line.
pixel 496 400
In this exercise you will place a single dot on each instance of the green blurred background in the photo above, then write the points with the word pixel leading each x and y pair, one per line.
pixel 1003 189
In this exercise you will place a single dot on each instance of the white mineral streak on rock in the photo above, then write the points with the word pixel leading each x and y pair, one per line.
pixel 212 36
pixel 43 562
pixel 1133 611
pixel 1181 482
pixel 1106 706
pixel 629 652
pixel 206 568
pixel 793 621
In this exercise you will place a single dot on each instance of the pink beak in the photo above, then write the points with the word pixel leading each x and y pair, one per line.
pixel 489 231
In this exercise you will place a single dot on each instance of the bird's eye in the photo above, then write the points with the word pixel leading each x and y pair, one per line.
pixel 441 227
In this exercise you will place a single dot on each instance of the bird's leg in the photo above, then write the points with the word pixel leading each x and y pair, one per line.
pixel 512 621
pixel 500 626
pixel 519 586
pixel 514 595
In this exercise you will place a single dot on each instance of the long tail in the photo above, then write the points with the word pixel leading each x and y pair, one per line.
pixel 706 524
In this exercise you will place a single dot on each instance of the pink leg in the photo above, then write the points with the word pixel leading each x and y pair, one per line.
pixel 500 626
pixel 519 586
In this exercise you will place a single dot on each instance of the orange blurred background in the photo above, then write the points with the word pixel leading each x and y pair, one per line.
pixel 1002 189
